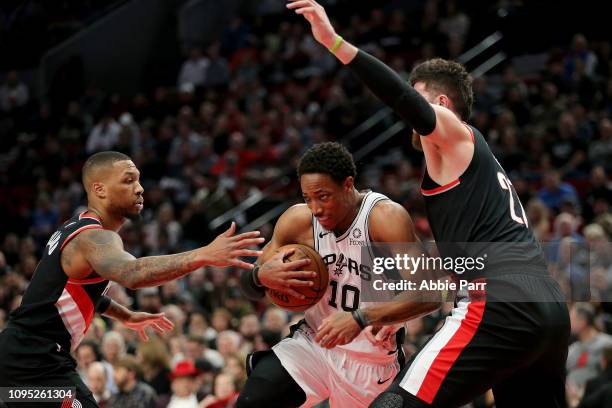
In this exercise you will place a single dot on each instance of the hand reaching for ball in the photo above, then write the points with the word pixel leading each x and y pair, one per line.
pixel 283 276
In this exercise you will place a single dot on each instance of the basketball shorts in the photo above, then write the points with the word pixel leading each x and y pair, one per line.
pixel 517 349
pixel 346 379
pixel 27 360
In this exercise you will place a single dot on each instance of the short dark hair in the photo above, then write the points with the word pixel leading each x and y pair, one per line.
pixel 328 158
pixel 130 363
pixel 586 312
pixel 94 347
pixel 450 78
pixel 102 159
pixel 196 338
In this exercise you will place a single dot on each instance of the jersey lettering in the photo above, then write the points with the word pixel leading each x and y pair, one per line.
pixel 53 241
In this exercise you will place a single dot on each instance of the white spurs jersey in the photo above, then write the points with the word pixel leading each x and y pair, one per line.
pixel 349 263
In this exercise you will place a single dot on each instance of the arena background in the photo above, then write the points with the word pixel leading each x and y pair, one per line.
pixel 215 101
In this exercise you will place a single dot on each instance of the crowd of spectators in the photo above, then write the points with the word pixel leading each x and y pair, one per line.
pixel 243 110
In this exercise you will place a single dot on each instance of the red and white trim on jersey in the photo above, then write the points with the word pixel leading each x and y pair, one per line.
pixel 74 307
pixel 89 281
pixel 431 365
pixel 76 310
pixel 441 189
pixel 91 218
pixel 91 226
pixel 471 132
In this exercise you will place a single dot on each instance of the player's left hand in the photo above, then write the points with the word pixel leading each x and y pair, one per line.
pixel 139 321
pixel 337 329
pixel 312 11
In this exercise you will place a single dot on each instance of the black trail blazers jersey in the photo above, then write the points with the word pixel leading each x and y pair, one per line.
pixel 54 306
pixel 479 214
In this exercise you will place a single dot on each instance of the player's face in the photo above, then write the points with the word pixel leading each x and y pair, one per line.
pixel 328 200
pixel 124 190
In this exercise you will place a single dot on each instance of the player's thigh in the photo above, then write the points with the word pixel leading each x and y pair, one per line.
pixel 480 344
pixel 270 385
pixel 541 384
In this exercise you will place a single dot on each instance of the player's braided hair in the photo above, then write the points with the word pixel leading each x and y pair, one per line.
pixel 328 158
pixel 450 78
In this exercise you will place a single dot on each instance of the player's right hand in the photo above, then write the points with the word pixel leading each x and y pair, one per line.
pixel 312 11
pixel 382 336
pixel 284 276
pixel 227 248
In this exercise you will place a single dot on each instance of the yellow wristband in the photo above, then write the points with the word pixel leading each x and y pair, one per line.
pixel 336 45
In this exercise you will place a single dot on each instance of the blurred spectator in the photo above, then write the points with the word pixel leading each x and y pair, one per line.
pixel 600 149
pixel 554 192
pixel 113 347
pixel 14 94
pixel 164 224
pixel 225 393
pixel 155 363
pixel 228 343
pixel 579 54
pixel 218 73
pixel 96 381
pixel 86 353
pixel 149 300
pixel 599 194
pixel 183 385
pixel 132 392
pixel 539 219
pixel 585 353
pixel 605 376
pixel 275 319
pixel 194 69
pixel 195 348
pixel 104 135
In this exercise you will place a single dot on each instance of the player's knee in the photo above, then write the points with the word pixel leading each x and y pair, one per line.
pixel 398 398
pixel 388 400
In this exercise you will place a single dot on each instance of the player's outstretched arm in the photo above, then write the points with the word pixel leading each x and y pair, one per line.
pixel 271 271
pixel 385 83
pixel 103 250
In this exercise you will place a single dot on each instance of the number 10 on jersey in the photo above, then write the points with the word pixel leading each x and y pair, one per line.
pixel 349 296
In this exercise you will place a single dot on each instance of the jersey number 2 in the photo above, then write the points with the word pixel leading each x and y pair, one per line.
pixel 507 185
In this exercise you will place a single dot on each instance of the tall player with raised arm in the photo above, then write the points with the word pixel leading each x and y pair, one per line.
pixel 80 260
pixel 512 337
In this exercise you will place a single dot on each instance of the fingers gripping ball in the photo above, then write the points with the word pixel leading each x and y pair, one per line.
pixel 312 293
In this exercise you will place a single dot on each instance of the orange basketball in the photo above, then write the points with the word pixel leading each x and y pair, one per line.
pixel 312 293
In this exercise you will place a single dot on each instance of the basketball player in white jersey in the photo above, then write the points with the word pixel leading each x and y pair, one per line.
pixel 338 221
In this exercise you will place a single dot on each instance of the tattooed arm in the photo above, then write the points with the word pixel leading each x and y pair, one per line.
pixel 103 250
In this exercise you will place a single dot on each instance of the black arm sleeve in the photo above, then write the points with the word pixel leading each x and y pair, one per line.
pixel 249 288
pixel 103 304
pixel 390 88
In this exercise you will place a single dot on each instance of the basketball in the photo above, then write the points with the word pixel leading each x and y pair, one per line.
pixel 313 293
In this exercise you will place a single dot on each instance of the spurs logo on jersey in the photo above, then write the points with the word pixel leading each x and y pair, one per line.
pixel 349 265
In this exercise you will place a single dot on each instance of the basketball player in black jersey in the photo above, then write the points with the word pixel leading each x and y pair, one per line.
pixel 77 265
pixel 512 336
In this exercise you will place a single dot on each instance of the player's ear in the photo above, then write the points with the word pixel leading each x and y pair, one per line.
pixel 444 101
pixel 99 189
pixel 348 184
